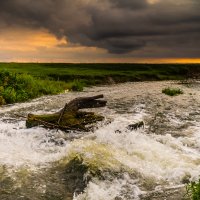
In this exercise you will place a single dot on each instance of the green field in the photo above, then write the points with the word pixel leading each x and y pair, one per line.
pixel 23 81
pixel 103 73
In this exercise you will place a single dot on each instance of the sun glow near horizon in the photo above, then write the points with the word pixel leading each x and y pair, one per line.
pixel 24 45
pixel 27 40
pixel 93 31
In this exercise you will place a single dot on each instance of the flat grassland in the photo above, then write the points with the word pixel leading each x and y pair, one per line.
pixel 92 74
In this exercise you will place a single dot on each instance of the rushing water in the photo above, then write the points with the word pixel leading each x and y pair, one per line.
pixel 153 162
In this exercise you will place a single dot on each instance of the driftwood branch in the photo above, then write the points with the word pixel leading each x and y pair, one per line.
pixel 84 102
pixel 62 113
pixel 53 126
pixel 70 118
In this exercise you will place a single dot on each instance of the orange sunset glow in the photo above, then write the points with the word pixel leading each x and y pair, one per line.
pixel 24 45
pixel 116 32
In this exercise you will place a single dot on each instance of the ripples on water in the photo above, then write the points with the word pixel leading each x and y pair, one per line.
pixel 163 155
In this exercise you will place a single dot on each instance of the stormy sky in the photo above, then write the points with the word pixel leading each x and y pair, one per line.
pixel 99 30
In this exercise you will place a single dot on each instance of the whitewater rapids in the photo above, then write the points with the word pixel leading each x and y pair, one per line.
pixel 154 162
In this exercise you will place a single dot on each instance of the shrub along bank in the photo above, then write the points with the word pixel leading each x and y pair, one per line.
pixel 21 87
pixel 193 190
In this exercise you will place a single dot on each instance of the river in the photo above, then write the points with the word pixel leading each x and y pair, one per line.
pixel 153 162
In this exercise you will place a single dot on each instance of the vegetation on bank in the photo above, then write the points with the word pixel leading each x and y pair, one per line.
pixel 21 87
pixel 92 74
pixel 172 91
pixel 193 190
pixel 22 81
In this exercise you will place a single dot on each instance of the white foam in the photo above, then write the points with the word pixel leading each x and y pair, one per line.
pixel 124 188
pixel 157 159
pixel 161 157
pixel 27 147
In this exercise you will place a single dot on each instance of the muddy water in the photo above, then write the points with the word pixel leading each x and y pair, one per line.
pixel 153 162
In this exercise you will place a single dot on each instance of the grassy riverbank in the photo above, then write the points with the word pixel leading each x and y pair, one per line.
pixel 91 74
pixel 22 87
pixel 22 81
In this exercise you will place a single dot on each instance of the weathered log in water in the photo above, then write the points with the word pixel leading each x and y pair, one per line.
pixel 84 102
pixel 69 117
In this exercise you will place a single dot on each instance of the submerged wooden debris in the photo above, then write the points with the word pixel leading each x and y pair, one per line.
pixel 132 127
pixel 136 126
pixel 69 117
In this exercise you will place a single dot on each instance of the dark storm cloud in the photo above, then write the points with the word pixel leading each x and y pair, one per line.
pixel 120 26
pixel 131 4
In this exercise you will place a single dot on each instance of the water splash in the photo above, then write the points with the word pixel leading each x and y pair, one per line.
pixel 28 147
pixel 142 159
